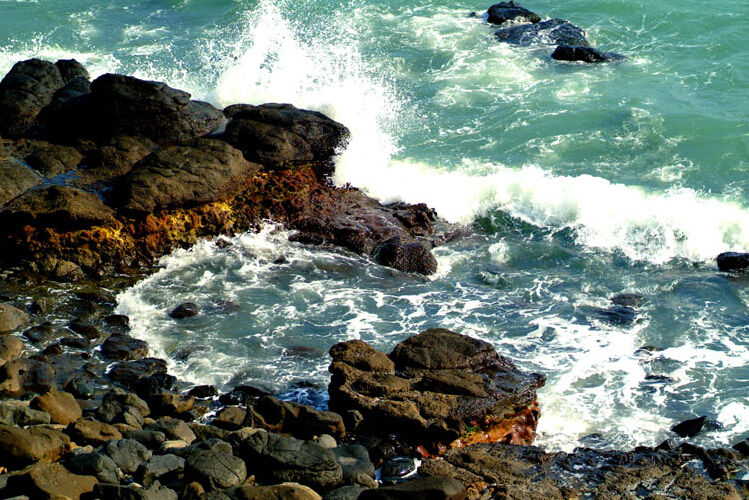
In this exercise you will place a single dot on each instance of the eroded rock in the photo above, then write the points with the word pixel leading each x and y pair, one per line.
pixel 509 11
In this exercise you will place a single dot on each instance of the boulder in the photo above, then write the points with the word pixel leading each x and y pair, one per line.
pixel 202 171
pixel 242 395
pixel 287 417
pixel 162 468
pixel 150 439
pixel 20 376
pixel 203 391
pixel 93 432
pixel 274 458
pixel 215 468
pixel 124 105
pixel 26 89
pixel 283 491
pixel 507 471
pixel 11 318
pixel 119 406
pixel 48 481
pixel 170 404
pixel 406 257
pixel 425 488
pixel 356 465
pixel 61 406
pixel 94 464
pixel 443 388
pixel 230 417
pixel 81 385
pixel 281 136
pixel 509 11
pixel 349 492
pixel 124 347
pixel 551 32
pixel 584 54
pixel 128 373
pixel 173 429
pixel 133 492
pixel 16 413
pixel 128 454
pixel 10 348
pixel 59 207
pixel 16 179
pixel 20 447
pixel 733 261
pixel 186 310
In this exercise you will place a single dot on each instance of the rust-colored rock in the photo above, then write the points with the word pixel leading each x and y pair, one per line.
pixel 441 388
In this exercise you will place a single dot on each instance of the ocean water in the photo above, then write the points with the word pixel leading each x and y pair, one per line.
pixel 580 183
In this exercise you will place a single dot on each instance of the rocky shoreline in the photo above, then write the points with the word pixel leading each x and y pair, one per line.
pixel 98 179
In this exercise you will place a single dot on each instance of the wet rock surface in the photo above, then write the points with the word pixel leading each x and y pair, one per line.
pixel 509 11
pixel 437 388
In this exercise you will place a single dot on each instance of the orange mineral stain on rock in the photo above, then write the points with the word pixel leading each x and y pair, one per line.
pixel 518 428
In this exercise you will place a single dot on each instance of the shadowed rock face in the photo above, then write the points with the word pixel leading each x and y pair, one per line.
pixel 506 471
pixel 24 92
pixel 123 105
pixel 437 388
pixel 584 54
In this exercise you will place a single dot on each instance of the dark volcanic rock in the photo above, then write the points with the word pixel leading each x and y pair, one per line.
pixel 281 136
pixel 733 261
pixel 119 406
pixel 441 387
pixel 689 428
pixel 16 179
pixel 48 159
pixel 12 413
pixel 98 465
pixel 506 471
pixel 124 347
pixel 26 89
pixel 215 468
pixel 60 207
pixel 185 310
pixel 71 69
pixel 509 11
pixel 274 459
pixel 424 488
pixel 202 171
pixel 128 373
pixel 584 54
pixel 162 468
pixel 133 492
pixel 551 32
pixel 123 105
pixel 128 454
pixel 406 257
pixel 242 395
pixel 203 391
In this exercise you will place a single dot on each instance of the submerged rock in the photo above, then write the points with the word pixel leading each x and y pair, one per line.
pixel 510 11
pixel 406 257
pixel 551 32
pixel 186 310
pixel 689 428
pixel 436 388
pixel 584 54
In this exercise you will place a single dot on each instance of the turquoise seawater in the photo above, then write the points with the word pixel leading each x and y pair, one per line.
pixel 581 182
